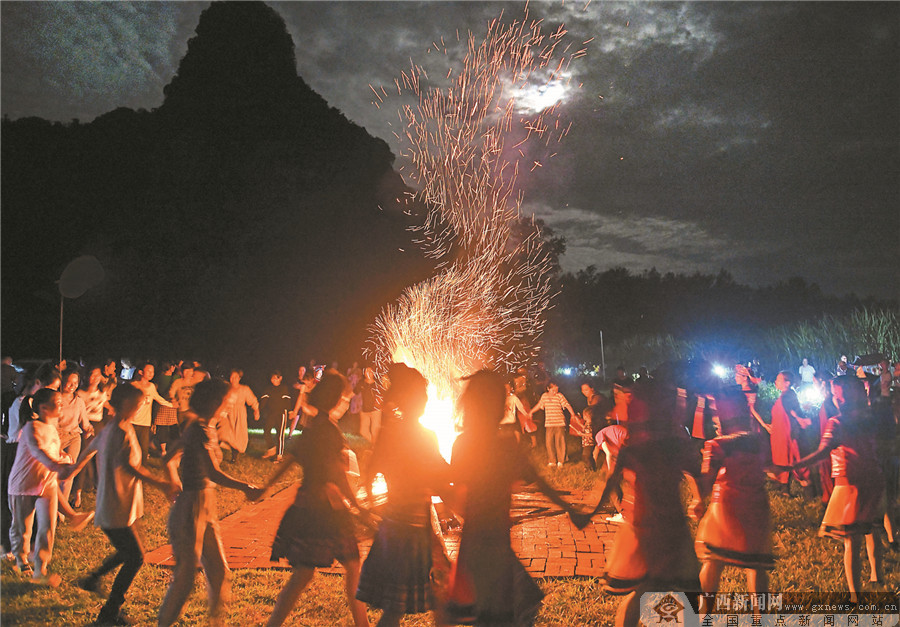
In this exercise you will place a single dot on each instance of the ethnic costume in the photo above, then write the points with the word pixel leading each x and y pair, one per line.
pixel 737 527
pixel 856 503
pixel 653 546
pixel 785 449
pixel 396 575
pixel 317 528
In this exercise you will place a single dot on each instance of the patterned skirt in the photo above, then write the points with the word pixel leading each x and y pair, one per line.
pixel 313 534
pixel 166 416
pixel 396 575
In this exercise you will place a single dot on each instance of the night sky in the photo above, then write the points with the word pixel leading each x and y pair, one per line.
pixel 762 138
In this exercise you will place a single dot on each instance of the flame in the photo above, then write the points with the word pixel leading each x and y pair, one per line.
pixel 379 485
pixel 439 415
pixel 439 418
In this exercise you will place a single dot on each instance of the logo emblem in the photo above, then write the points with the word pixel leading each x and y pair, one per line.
pixel 668 609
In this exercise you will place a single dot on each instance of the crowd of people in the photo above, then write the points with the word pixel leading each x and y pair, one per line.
pixel 70 429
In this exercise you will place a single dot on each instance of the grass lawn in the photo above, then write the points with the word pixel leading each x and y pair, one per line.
pixel 805 563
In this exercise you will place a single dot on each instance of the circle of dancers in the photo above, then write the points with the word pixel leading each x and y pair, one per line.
pixel 62 435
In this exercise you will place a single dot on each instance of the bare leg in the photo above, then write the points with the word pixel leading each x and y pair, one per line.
pixel 852 566
pixel 351 582
pixel 628 614
pixel 873 549
pixel 710 574
pixel 889 525
pixel 757 582
pixel 287 598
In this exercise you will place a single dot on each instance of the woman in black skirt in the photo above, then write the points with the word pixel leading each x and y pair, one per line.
pixel 318 527
pixel 396 574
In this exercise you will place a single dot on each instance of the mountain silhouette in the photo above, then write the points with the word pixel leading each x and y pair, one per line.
pixel 244 221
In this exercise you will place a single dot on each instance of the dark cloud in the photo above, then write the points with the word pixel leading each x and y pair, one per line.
pixel 759 137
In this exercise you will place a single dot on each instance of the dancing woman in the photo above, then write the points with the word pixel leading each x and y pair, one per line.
pixel 396 574
pixel 491 587
pixel 318 527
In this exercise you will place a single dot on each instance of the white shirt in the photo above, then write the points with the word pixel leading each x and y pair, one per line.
pixel 14 426
pixel 120 495
pixel 93 403
pixel 512 404
pixel 39 445
pixel 807 374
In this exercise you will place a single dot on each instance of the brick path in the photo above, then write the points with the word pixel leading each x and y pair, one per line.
pixel 543 538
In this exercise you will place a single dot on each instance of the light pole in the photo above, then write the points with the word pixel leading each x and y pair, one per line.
pixel 79 276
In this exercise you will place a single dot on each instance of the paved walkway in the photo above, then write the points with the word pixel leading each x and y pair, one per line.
pixel 543 537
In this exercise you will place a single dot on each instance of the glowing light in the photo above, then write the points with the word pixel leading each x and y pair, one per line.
pixel 486 305
pixel 721 371
pixel 811 395
pixel 379 485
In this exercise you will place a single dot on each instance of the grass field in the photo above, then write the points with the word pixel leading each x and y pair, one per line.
pixel 805 563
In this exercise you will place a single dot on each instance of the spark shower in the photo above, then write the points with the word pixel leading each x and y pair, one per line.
pixel 469 136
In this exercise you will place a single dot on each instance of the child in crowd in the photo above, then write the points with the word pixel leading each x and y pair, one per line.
pixel 396 574
pixel 610 440
pixel 193 525
pixel 509 425
pixel 553 403
pixel 736 529
pixel 120 500
pixel 34 489
pixel 317 528
pixel 490 586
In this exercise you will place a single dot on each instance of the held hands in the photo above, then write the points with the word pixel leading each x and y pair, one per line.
pixel 172 489
pixel 579 519
pixel 65 470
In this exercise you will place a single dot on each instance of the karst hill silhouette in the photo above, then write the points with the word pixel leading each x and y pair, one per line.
pixel 243 221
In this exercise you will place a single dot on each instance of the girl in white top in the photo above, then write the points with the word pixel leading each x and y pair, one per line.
pixel 143 419
pixel 33 488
